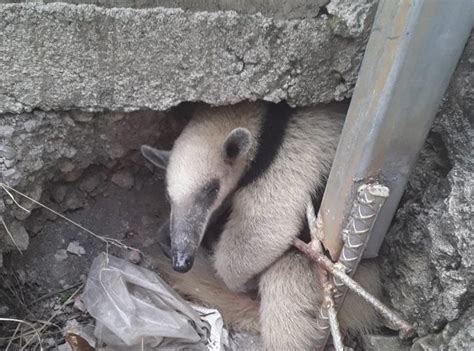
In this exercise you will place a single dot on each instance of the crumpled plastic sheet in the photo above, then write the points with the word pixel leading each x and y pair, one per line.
pixel 135 309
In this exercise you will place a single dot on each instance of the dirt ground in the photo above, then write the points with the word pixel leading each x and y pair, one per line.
pixel 125 202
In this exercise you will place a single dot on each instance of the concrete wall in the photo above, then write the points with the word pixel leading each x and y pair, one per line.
pixel 62 56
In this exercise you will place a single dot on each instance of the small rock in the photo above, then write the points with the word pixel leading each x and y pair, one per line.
pixel 116 151
pixel 9 163
pixel 2 206
pixel 134 256
pixel 4 310
pixel 20 236
pixel 7 152
pixel 70 152
pixel 123 179
pixel 384 343
pixel 110 164
pixel 74 200
pixel 73 176
pixel 59 193
pixel 75 248
pixel 6 131
pixel 60 255
pixel 35 224
pixel 1 260
pixel 66 166
pixel 91 182
pixel 30 125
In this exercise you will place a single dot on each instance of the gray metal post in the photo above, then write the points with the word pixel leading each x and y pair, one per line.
pixel 411 54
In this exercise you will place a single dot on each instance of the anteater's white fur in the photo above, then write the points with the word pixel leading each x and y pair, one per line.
pixel 266 217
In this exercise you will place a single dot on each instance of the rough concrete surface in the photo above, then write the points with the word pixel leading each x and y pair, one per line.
pixel 429 251
pixel 60 56
pixel 274 8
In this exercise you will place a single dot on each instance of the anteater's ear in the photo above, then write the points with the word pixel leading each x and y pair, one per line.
pixel 159 158
pixel 237 144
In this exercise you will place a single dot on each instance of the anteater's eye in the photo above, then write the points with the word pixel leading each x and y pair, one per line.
pixel 212 188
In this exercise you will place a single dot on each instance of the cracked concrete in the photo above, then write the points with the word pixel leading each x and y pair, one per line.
pixel 59 56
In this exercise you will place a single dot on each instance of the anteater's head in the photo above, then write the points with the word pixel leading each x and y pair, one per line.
pixel 202 170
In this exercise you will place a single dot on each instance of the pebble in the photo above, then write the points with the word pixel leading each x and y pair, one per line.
pixel 66 166
pixel 73 176
pixel 74 200
pixel 123 179
pixel 9 163
pixel 30 125
pixel 7 152
pixel 75 248
pixel 60 255
pixel 4 310
pixel 116 151
pixel 91 182
pixel 134 256
pixel 20 235
pixel 6 131
pixel 59 193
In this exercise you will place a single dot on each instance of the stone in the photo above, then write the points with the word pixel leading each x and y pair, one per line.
pixel 75 248
pixel 20 236
pixel 66 166
pixel 7 152
pixel 383 343
pixel 61 255
pixel 9 163
pixel 4 309
pixel 74 200
pixel 91 182
pixel 116 151
pixel 6 131
pixel 134 256
pixel 73 175
pixel 123 179
pixel 59 193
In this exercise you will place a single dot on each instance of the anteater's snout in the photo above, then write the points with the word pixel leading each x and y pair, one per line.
pixel 182 261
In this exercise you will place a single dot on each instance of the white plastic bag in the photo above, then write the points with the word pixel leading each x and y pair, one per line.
pixel 135 307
